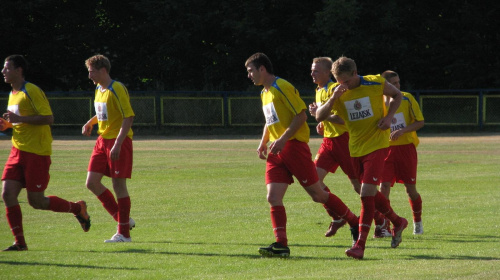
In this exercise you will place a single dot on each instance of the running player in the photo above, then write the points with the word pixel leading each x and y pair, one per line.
pixel 112 154
pixel 334 150
pixel 289 153
pixel 359 101
pixel 30 116
pixel 401 162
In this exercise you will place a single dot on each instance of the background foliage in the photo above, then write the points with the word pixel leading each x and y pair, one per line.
pixel 202 45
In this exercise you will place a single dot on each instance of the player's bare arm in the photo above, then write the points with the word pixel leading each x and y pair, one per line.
pixel 87 128
pixel 126 125
pixel 36 119
pixel 411 127
pixel 262 149
pixel 296 123
pixel 324 111
pixel 396 97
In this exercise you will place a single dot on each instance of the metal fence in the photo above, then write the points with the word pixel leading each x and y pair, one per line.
pixel 472 108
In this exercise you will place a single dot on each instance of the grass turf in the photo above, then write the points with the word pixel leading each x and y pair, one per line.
pixel 201 213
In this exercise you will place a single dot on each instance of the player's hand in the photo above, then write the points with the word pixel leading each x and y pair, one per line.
pixel 262 151
pixel 277 146
pixel 12 117
pixel 320 129
pixel 115 152
pixel 338 91
pixel 312 109
pixel 384 123
pixel 396 134
pixel 87 129
pixel 4 124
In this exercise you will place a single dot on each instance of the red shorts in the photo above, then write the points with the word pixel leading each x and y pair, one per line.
pixel 100 161
pixel 30 169
pixel 401 165
pixel 371 166
pixel 334 152
pixel 294 159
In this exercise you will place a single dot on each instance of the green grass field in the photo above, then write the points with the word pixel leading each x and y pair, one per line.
pixel 201 213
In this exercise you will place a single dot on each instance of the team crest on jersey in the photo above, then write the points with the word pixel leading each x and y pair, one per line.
pixel 101 111
pixel 359 109
pixel 270 114
pixel 357 105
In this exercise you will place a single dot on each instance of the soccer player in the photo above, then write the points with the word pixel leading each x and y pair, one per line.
pixel 112 154
pixel 359 101
pixel 334 150
pixel 401 162
pixel 30 116
pixel 289 153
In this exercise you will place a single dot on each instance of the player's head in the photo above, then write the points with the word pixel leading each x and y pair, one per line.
pixel 345 72
pixel 98 62
pixel 98 67
pixel 256 65
pixel 258 60
pixel 320 70
pixel 15 64
pixel 392 78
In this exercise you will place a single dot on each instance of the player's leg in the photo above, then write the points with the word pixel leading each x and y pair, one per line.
pixel 383 224
pixel 102 193
pixel 275 194
pixel 416 206
pixel 124 205
pixel 336 222
pixel 365 220
pixel 10 193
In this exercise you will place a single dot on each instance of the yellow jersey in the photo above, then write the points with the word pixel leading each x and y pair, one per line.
pixel 407 113
pixel 281 103
pixel 112 105
pixel 331 130
pixel 31 101
pixel 361 109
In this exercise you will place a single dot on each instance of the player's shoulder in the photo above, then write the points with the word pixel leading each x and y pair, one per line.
pixel 408 96
pixel 372 80
pixel 31 86
pixel 331 85
pixel 283 85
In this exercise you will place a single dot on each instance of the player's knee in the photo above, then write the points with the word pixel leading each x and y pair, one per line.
pixel 35 203
pixel 274 200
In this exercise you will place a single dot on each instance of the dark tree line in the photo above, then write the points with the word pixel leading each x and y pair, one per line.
pixel 202 45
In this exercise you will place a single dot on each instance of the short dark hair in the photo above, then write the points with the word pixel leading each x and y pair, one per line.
pixel 19 62
pixel 389 74
pixel 260 59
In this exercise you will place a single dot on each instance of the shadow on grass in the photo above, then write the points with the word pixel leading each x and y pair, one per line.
pixel 252 255
pixel 455 257
pixel 65 265
pixel 200 254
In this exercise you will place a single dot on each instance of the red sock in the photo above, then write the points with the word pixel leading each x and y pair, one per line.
pixel 384 206
pixel 416 207
pixel 337 205
pixel 57 204
pixel 330 212
pixel 108 201
pixel 124 216
pixel 278 221
pixel 379 218
pixel 15 219
pixel 365 219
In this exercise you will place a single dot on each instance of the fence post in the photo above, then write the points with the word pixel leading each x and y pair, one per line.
pixel 481 110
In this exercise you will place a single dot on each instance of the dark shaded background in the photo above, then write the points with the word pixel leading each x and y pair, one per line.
pixel 202 45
